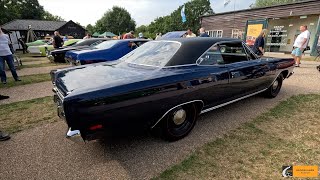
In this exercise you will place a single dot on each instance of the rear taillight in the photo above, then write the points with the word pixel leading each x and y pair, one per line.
pixel 95 127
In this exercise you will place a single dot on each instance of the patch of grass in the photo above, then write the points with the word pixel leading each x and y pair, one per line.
pixel 34 60
pixel 42 65
pixel 286 135
pixel 18 116
pixel 30 79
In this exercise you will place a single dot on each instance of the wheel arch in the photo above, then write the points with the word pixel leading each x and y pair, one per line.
pixel 285 73
pixel 199 105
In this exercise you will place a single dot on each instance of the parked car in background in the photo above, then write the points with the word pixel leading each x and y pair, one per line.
pixel 58 55
pixel 173 34
pixel 37 42
pixel 42 50
pixel 163 85
pixel 106 51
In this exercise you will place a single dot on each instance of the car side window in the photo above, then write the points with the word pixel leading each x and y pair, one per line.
pixel 211 57
pixel 224 53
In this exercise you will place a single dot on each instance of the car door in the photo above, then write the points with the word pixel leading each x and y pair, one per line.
pixel 263 71
pixel 244 71
pixel 215 78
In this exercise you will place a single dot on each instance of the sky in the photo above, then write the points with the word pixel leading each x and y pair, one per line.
pixel 142 11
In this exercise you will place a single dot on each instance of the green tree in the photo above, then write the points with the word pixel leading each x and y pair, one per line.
pixel 194 10
pixel 50 17
pixel 23 9
pixel 90 29
pixel 265 3
pixel 117 20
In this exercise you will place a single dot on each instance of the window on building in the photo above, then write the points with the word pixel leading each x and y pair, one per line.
pixel 215 33
pixel 237 33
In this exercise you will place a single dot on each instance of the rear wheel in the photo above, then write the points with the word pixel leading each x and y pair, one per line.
pixel 275 88
pixel 179 122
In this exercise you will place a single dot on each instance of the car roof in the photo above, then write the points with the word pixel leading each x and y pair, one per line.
pixel 192 48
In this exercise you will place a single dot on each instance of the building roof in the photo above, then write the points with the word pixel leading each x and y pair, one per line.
pixel 253 9
pixel 40 25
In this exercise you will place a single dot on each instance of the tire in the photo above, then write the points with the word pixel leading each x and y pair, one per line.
pixel 275 88
pixel 179 122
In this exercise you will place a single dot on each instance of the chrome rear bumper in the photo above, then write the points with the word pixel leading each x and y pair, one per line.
pixel 74 136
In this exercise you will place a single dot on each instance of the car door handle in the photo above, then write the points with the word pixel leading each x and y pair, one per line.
pixel 235 74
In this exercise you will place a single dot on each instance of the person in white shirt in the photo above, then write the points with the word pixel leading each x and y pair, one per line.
pixel 190 34
pixel 300 44
pixel 6 56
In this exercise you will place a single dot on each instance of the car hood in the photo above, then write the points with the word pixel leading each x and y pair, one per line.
pixel 101 75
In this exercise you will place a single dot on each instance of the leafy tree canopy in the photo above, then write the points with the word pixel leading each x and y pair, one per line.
pixel 23 9
pixel 194 9
pixel 117 20
pixel 265 3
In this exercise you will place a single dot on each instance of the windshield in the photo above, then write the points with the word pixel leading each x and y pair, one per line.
pixel 156 53
pixel 106 44
pixel 79 43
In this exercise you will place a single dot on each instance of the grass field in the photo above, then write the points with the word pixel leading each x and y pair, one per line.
pixel 30 79
pixel 286 135
pixel 18 116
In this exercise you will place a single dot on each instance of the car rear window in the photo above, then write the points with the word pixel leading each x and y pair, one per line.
pixel 155 53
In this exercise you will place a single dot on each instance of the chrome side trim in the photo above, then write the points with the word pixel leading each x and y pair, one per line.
pixel 174 108
pixel 230 102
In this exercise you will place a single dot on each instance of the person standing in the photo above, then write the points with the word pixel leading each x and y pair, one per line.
pixel 57 40
pixel 300 44
pixel 23 45
pixel 4 136
pixel 129 35
pixel 258 46
pixel 88 36
pixel 190 34
pixel 158 36
pixel 203 33
pixel 6 55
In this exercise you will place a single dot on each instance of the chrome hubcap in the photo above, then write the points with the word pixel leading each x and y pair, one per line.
pixel 179 117
pixel 275 85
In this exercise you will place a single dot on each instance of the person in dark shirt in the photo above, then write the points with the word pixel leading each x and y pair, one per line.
pixel 203 33
pixel 258 46
pixel 57 40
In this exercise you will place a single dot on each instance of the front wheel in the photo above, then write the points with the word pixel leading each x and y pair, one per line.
pixel 274 89
pixel 179 122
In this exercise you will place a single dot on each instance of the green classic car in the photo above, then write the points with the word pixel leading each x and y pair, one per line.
pixel 37 43
pixel 42 50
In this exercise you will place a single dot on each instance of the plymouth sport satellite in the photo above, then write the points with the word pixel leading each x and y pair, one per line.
pixel 106 51
pixel 163 86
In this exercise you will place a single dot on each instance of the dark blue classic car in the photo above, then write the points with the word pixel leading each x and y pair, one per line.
pixel 105 51
pixel 58 55
pixel 163 85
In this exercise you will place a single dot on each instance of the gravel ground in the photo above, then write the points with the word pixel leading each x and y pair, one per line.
pixel 44 153
pixel 26 92
pixel 38 70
